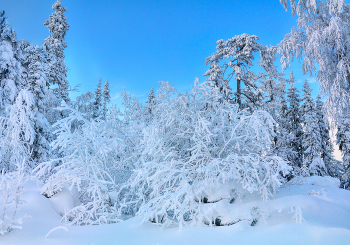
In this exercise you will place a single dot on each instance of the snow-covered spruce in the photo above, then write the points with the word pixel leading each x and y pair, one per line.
pixel 294 126
pixel 195 147
pixel 311 139
pixel 106 99
pixel 343 140
pixel 11 56
pixel 55 45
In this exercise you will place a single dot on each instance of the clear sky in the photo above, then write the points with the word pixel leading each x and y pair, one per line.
pixel 135 44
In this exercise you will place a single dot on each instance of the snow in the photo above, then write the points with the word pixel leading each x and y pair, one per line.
pixel 322 181
pixel 65 200
pixel 325 220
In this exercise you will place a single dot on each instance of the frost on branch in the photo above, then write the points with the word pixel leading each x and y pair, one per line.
pixel 180 153
pixel 11 188
pixel 321 41
pixel 17 133
pixel 94 160
pixel 193 149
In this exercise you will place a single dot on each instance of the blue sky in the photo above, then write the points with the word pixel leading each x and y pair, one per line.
pixel 135 44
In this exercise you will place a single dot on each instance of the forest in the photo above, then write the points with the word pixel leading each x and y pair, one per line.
pixel 180 159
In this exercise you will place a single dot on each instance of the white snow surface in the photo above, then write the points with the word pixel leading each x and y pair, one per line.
pixel 65 200
pixel 316 202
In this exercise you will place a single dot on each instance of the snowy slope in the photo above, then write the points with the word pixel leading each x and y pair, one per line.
pixel 325 220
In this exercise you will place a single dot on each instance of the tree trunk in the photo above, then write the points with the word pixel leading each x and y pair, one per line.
pixel 239 92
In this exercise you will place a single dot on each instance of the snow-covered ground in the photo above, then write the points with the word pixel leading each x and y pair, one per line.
pixel 322 208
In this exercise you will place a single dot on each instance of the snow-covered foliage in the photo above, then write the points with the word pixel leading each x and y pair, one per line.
pixel 233 59
pixel 317 201
pixel 11 189
pixel 17 133
pixel 210 156
pixel 192 146
pixel 10 65
pixel 97 106
pixel 334 167
pixel 321 41
pixel 343 140
pixel 38 84
pixel 95 160
pixel 106 99
pixel 311 139
pixel 55 45
pixel 282 140
pixel 198 146
pixel 293 124
pixel 237 54
pixel 84 104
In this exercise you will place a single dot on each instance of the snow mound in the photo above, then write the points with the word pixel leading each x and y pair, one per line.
pixel 317 180
pixel 308 199
pixel 324 220
pixel 65 200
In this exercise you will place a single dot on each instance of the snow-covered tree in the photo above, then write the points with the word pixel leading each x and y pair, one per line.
pixel 10 65
pixel 151 98
pixel 17 133
pixel 97 106
pixel 321 40
pixel 133 111
pixel 311 138
pixel 343 140
pixel 293 124
pixel 38 84
pixel 97 157
pixel 151 102
pixel 55 45
pixel 178 159
pixel 106 98
pixel 334 167
pixel 220 87
pixel 283 137
pixel 84 103
pixel 237 55
pixel 191 151
pixel 11 189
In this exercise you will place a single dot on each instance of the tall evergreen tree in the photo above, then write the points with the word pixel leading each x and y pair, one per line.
pixel 311 138
pixel 151 98
pixel 333 166
pixel 98 101
pixel 37 83
pixel 293 123
pixel 10 65
pixel 149 110
pixel 343 140
pixel 55 45
pixel 106 98
pixel 283 137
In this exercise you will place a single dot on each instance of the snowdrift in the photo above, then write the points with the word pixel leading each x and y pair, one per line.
pixel 309 210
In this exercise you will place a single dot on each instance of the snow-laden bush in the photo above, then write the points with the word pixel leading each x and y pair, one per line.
pixel 17 133
pixel 193 147
pixel 95 160
pixel 179 151
pixel 11 188
pixel 16 137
